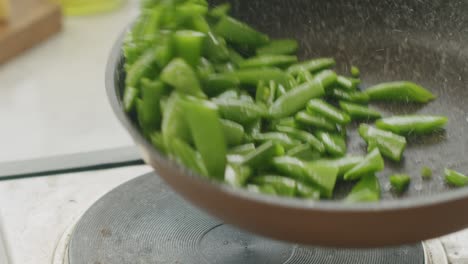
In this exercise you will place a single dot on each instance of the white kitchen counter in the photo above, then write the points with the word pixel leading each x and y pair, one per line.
pixel 52 101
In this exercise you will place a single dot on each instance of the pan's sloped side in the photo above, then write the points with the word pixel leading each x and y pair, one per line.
pixel 422 41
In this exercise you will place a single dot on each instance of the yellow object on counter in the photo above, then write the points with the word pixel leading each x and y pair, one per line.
pixel 88 7
pixel 5 10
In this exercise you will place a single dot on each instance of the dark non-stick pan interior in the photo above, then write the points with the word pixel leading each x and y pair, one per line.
pixel 417 40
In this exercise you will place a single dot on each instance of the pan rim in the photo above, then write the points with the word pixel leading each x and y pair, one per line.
pixel 341 206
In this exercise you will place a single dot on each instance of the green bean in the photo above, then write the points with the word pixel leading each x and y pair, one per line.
pixel 344 164
pixel 426 173
pixel 348 83
pixel 263 154
pixel 372 163
pixel 264 189
pixel 455 178
pixel 149 108
pixel 253 76
pixel 399 91
pixel 366 190
pixel 181 76
pixel 233 132
pixel 239 111
pixel 315 121
pixel 389 144
pixel 399 182
pixel 328 111
pixel 314 65
pixel 129 98
pixel 283 186
pixel 240 33
pixel 279 46
pixel 186 155
pixel 215 48
pixel 355 72
pixel 242 149
pixel 302 136
pixel 189 44
pixel 417 124
pixel 350 96
pixel 280 138
pixel 237 175
pixel 217 83
pixel 173 122
pixel 359 112
pixel 304 152
pixel 335 144
pixel 268 61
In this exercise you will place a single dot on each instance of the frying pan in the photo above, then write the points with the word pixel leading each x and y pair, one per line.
pixel 419 40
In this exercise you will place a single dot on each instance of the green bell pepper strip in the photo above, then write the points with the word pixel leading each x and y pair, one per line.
pixel 366 190
pixel 240 111
pixel 263 189
pixel 399 91
pixel 343 164
pixel 237 32
pixel 328 111
pixel 207 132
pixel 263 154
pixel 142 66
pixel 217 83
pixel 237 175
pixel 280 138
pixel 186 155
pixel 129 98
pixel 157 140
pixel 253 76
pixel 455 178
pixel 233 132
pixel 389 144
pixel 348 83
pixel 189 45
pixel 355 72
pixel 181 76
pixel 242 149
pixel 315 121
pixel 313 65
pixel 359 112
pixel 149 110
pixel 316 173
pixel 409 124
pixel 303 136
pixel 268 61
pixel 173 123
pixel 335 144
pixel 307 192
pixel 279 47
pixel 350 96
pixel 426 173
pixel 304 152
pixel 296 99
pixel 283 186
pixel 372 163
pixel 215 48
pixel 399 182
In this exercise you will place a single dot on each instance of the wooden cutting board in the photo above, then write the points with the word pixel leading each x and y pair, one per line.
pixel 31 22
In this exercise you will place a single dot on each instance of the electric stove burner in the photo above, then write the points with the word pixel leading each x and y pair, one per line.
pixel 143 221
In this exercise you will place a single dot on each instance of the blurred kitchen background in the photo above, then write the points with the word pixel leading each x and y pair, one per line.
pixel 52 63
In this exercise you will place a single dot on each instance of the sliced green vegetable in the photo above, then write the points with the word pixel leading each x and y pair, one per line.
pixel 314 65
pixel 359 112
pixel 215 84
pixel 389 144
pixel 350 96
pixel 182 77
pixel 242 149
pixel 348 83
pixel 399 91
pixel 283 186
pixel 279 46
pixel 426 173
pixel 240 33
pixel 400 182
pixel 366 190
pixel 189 45
pixel 371 164
pixel 263 154
pixel 315 121
pixel 344 164
pixel 412 124
pixel 264 189
pixel 355 72
pixel 268 61
pixel 239 111
pixel 335 144
pixel 237 175
pixel 328 111
pixel 253 76
pixel 186 155
pixel 233 132
pixel 302 136
pixel 208 135
pixel 304 152
pixel 129 98
pixel 280 138
pixel 455 178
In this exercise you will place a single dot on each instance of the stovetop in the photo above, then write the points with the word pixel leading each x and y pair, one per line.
pixel 38 214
